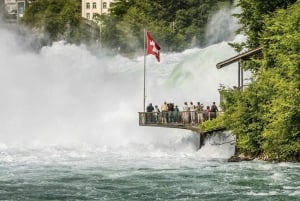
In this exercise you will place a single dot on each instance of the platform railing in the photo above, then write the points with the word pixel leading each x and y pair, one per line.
pixel 173 117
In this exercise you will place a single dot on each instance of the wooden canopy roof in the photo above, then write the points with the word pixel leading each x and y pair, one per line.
pixel 243 56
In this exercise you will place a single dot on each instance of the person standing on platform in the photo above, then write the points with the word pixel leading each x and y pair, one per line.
pixel 213 111
pixel 192 112
pixel 176 114
pixel 185 113
pixel 149 115
pixel 207 113
pixel 199 110
pixel 150 108
pixel 164 111
pixel 156 114
pixel 170 112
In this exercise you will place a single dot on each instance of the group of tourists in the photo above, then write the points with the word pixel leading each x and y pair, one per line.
pixel 190 114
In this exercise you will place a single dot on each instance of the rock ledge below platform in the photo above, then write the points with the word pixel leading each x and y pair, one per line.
pixel 240 158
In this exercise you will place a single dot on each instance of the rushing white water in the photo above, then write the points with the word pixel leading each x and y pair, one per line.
pixel 222 26
pixel 64 94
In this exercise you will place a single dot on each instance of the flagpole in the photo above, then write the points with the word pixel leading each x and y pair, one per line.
pixel 144 104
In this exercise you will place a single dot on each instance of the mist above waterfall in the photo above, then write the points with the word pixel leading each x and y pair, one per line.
pixel 222 26
pixel 65 94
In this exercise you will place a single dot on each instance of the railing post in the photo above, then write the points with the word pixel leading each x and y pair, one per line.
pixel 143 118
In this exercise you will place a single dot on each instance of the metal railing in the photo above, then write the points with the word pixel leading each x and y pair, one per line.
pixel 173 117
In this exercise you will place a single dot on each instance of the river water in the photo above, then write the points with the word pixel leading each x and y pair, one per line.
pixel 139 173
pixel 69 128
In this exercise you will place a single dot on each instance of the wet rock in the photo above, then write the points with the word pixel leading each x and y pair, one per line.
pixel 239 158
pixel 234 159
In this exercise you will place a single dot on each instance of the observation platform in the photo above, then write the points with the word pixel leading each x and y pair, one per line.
pixel 180 120
pixel 191 120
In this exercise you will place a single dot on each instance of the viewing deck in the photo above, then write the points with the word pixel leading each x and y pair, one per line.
pixel 181 120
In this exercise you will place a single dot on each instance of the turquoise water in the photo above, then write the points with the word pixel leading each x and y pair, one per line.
pixel 59 173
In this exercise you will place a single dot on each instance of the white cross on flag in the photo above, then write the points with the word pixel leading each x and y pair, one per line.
pixel 152 47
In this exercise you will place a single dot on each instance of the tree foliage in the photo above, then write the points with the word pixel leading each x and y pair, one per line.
pixel 252 17
pixel 175 24
pixel 266 116
pixel 58 19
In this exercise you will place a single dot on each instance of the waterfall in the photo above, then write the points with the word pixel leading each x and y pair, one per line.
pixel 64 94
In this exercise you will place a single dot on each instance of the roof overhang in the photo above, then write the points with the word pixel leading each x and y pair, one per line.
pixel 242 56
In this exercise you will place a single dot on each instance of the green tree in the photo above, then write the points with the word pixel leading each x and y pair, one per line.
pixel 266 116
pixel 252 17
pixel 281 42
pixel 176 25
pixel 57 19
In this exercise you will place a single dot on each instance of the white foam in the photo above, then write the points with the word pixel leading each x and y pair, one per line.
pixel 66 95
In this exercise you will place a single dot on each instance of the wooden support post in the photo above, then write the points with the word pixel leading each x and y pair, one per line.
pixel 239 75
pixel 242 74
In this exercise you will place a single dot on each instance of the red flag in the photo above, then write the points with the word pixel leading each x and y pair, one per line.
pixel 152 47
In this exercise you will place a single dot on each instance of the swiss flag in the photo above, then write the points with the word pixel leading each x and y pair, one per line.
pixel 152 47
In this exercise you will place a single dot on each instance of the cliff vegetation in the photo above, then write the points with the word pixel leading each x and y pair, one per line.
pixel 265 117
